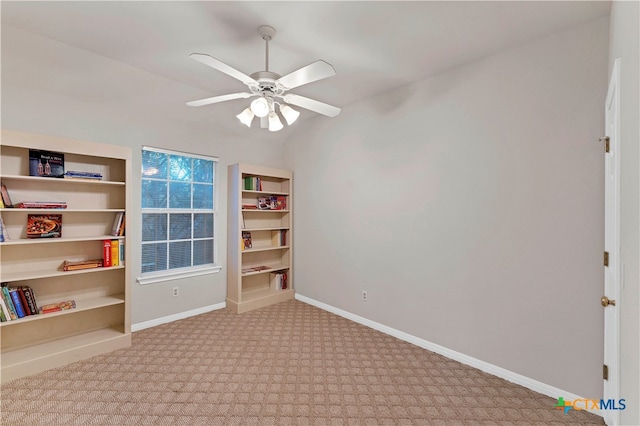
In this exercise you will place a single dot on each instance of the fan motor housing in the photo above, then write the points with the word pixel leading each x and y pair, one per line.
pixel 266 80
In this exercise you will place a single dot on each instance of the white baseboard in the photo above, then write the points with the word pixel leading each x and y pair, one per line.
pixel 175 317
pixel 494 370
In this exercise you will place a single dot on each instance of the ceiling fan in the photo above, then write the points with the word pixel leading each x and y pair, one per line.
pixel 271 89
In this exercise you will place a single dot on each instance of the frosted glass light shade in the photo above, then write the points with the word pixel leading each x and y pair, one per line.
pixel 289 114
pixel 274 122
pixel 260 107
pixel 246 117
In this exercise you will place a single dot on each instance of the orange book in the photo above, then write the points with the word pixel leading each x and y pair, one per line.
pixel 115 257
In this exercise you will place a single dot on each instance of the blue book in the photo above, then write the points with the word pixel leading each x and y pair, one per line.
pixel 15 298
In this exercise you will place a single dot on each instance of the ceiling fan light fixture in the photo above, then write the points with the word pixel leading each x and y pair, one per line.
pixel 246 117
pixel 274 122
pixel 260 107
pixel 289 114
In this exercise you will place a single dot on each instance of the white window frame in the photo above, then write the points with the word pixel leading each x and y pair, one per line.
pixel 191 271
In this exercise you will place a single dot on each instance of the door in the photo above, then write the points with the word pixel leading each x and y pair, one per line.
pixel 611 298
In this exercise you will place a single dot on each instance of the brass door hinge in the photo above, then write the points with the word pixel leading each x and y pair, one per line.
pixel 606 143
pixel 605 372
pixel 606 258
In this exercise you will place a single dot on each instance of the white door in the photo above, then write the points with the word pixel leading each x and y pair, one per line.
pixel 611 298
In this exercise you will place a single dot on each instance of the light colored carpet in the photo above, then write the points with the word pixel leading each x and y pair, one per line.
pixel 289 363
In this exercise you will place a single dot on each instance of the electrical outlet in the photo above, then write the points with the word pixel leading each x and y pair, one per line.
pixel 176 291
pixel 364 296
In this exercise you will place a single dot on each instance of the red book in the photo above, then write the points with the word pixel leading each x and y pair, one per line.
pixel 27 310
pixel 106 253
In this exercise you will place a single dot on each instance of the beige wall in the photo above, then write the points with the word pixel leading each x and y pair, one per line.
pixel 625 44
pixel 470 207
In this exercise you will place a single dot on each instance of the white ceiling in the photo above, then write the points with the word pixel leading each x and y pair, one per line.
pixel 374 46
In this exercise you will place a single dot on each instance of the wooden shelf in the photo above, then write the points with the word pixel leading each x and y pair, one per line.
pixel 269 227
pixel 81 305
pixel 56 181
pixel 264 211
pixel 34 275
pixel 101 321
pixel 59 240
pixel 258 249
pixel 245 191
pixel 54 211
pixel 271 268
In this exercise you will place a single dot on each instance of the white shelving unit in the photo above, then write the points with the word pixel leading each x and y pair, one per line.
pixel 101 320
pixel 247 290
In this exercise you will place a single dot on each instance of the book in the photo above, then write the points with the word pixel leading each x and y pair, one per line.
pixel 17 303
pixel 115 257
pixel 4 235
pixel 46 163
pixel 121 251
pixel 82 264
pixel 42 205
pixel 264 203
pixel 57 307
pixel 4 194
pixel 30 298
pixel 44 226
pixel 121 230
pixel 72 174
pixel 117 221
pixel 23 299
pixel 246 238
pixel 106 253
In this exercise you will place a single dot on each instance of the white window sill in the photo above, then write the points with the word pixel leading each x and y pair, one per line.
pixel 157 277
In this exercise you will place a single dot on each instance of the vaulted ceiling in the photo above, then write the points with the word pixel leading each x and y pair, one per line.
pixel 135 55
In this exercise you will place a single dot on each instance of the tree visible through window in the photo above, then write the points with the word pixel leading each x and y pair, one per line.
pixel 178 211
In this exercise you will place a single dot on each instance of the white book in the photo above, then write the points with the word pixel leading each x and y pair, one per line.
pixel 4 235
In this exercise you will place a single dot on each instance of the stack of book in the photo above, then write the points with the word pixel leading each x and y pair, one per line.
pixel 117 230
pixel 252 183
pixel 280 280
pixel 112 253
pixel 82 264
pixel 19 302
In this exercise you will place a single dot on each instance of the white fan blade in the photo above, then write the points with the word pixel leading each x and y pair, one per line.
pixel 216 99
pixel 313 105
pixel 312 72
pixel 221 66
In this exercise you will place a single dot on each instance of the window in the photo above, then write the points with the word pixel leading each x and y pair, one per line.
pixel 178 215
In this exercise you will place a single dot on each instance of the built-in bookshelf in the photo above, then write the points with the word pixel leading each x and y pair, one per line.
pixel 100 319
pixel 259 237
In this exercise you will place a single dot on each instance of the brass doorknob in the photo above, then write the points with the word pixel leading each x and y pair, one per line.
pixel 606 301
